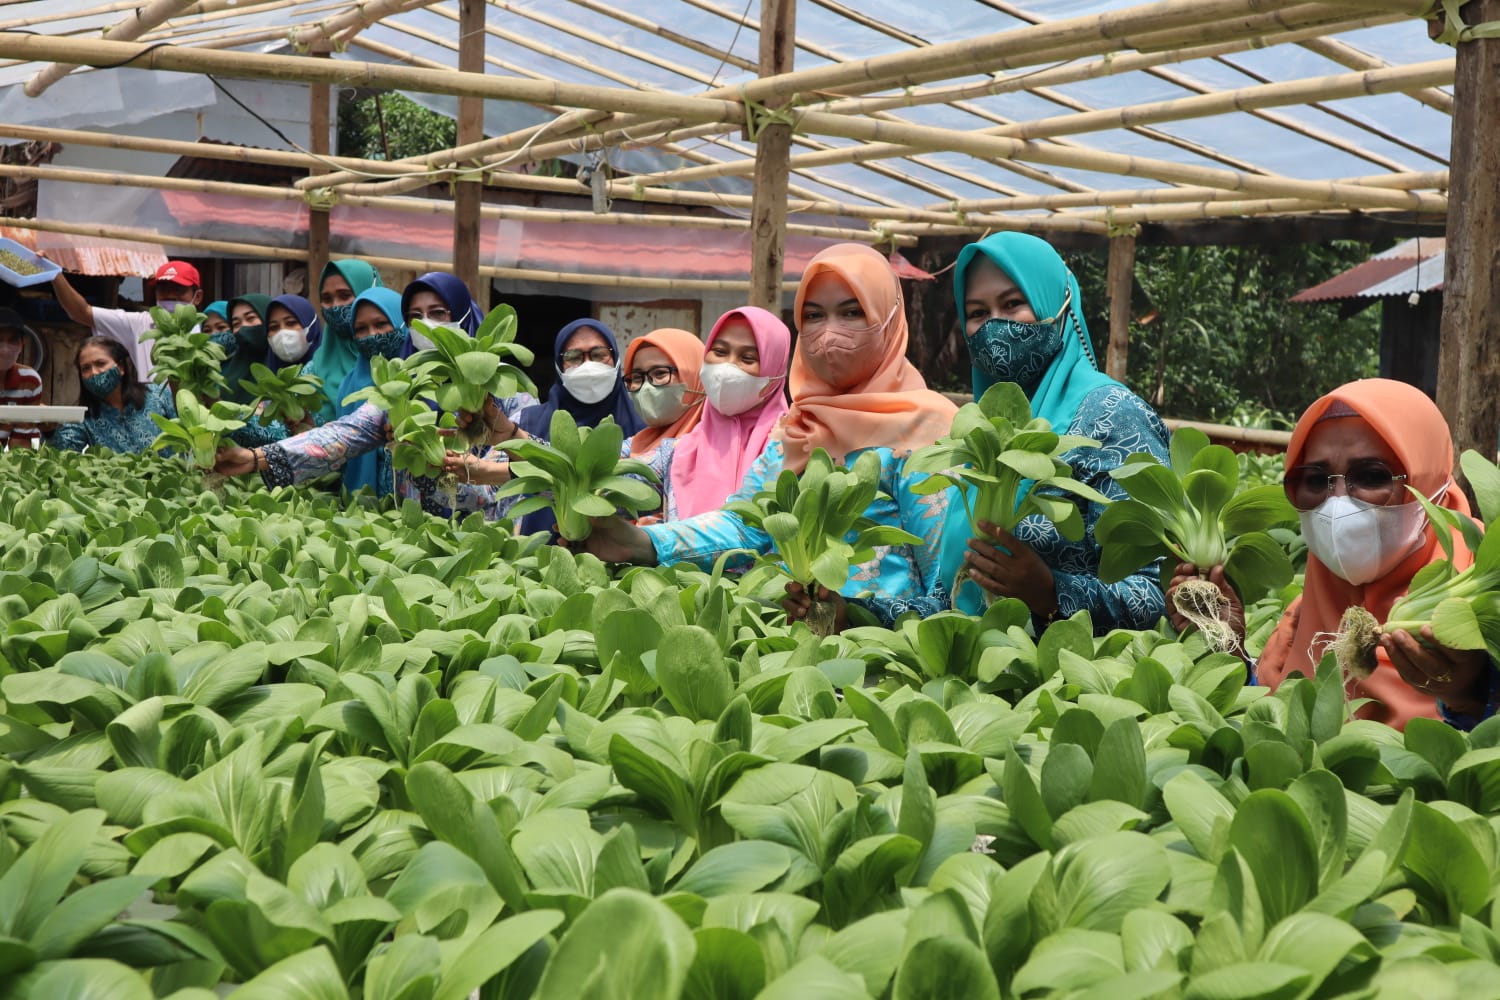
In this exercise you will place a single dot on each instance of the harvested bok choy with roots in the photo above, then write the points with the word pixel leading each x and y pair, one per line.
pixel 184 357
pixel 198 432
pixel 577 475
pixel 1190 512
pixel 467 371
pixel 1461 605
pixel 407 394
pixel 1007 465
pixel 818 527
pixel 287 395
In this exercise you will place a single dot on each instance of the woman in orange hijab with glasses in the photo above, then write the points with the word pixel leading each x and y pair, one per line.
pixel 852 391
pixel 1352 457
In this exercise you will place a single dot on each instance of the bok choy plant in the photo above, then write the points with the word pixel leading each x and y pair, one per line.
pixel 182 356
pixel 287 395
pixel 1462 606
pixel 1007 465
pixel 1190 512
pixel 818 526
pixel 578 474
pixel 199 431
pixel 404 390
pixel 466 370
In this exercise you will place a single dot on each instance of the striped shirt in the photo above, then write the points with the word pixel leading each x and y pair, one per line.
pixel 21 386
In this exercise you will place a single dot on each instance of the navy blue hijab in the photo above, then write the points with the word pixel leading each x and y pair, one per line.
pixel 455 295
pixel 537 419
pixel 311 322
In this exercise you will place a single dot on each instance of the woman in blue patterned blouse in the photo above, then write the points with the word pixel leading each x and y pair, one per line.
pixel 118 406
pixel 1023 323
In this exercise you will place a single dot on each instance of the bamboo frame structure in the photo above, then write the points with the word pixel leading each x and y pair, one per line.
pixel 146 18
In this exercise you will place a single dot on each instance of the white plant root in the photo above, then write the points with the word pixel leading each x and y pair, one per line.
pixel 1207 609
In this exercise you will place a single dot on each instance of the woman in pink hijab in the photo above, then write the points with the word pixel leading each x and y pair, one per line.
pixel 743 372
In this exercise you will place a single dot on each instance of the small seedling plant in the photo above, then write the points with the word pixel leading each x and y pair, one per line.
pixel 578 474
pixel 1192 511
pixel 1007 465
pixel 1461 605
pixel 182 356
pixel 467 371
pixel 199 431
pixel 818 526
pixel 287 395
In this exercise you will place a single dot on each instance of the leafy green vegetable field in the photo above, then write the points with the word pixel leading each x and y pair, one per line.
pixel 260 746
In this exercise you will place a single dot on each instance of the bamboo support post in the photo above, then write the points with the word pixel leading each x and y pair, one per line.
pixel 1469 353
pixel 1120 279
pixel 145 18
pixel 414 265
pixel 773 140
pixel 319 122
pixel 469 189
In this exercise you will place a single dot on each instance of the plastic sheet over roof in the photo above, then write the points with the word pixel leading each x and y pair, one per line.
pixel 688 47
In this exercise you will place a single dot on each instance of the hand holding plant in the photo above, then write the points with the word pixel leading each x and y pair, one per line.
pixel 184 357
pixel 468 371
pixel 287 395
pixel 198 432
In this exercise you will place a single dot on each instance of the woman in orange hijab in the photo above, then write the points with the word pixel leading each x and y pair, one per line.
pixel 852 391
pixel 1352 456
pixel 661 375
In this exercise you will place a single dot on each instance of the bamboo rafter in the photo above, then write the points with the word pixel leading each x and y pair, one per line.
pixel 336 31
pixel 1347 55
pixel 144 19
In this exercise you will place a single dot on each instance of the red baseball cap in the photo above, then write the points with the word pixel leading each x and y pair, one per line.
pixel 179 272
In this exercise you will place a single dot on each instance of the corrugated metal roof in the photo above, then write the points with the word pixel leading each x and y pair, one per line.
pixel 1413 266
pixel 91 255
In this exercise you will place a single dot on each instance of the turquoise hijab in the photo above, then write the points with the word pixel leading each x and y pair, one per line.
pixel 1047 283
pixel 372 469
pixel 336 357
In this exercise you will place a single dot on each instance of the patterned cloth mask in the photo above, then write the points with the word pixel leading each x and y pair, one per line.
pixel 383 345
pixel 1012 351
pixel 226 340
pixel 101 384
pixel 340 319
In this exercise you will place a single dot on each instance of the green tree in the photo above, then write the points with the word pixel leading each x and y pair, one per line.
pixel 388 126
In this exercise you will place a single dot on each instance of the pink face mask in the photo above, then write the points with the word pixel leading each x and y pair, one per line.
pixel 848 350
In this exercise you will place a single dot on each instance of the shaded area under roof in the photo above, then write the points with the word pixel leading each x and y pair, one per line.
pixel 1412 266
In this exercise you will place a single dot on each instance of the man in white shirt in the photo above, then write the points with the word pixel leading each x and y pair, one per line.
pixel 175 282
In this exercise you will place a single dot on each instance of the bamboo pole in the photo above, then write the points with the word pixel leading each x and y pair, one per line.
pixel 675 37
pixel 1120 280
pixel 1347 55
pixel 468 192
pixel 1469 352
pixel 211 247
pixel 773 141
pixel 145 18
pixel 317 218
pixel 437 208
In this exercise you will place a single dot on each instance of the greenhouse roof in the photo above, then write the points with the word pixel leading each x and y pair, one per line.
pixel 1066 115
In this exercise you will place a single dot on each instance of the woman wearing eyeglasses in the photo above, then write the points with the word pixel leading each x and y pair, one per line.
pixel 661 375
pixel 590 381
pixel 1023 323
pixel 1355 457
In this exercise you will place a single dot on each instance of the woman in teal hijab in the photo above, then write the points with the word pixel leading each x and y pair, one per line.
pixel 340 284
pixel 1023 323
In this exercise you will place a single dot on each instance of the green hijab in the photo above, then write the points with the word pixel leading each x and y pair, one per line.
pixel 337 356
pixel 250 347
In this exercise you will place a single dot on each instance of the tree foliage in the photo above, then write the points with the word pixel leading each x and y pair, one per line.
pixel 409 129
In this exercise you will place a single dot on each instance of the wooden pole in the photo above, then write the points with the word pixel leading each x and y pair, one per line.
pixel 468 189
pixel 1469 351
pixel 1121 279
pixel 773 143
pixel 319 120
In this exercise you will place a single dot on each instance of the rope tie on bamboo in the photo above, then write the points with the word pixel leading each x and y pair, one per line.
pixel 758 116
pixel 883 228
pixel 1114 229
pixel 1454 28
pixel 321 199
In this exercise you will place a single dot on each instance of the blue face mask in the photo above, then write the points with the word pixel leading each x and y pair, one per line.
pixel 340 319
pixel 101 384
pixel 1009 350
pixel 384 345
pixel 226 340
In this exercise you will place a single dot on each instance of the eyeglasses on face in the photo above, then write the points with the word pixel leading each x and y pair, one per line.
pixel 1307 486
pixel 660 375
pixel 574 356
pixel 437 314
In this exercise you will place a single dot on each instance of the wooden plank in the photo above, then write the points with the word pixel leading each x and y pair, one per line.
pixel 778 20
pixel 1469 362
pixel 467 193
pixel 1120 280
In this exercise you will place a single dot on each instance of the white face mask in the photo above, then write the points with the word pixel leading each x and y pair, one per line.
pixel 1360 542
pixel 421 343
pixel 590 382
pixel 661 405
pixel 289 345
pixel 730 389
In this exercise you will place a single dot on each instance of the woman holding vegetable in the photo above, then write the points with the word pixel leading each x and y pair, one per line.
pixel 118 406
pixel 293 331
pixel 355 442
pixel 1352 457
pixel 1023 323
pixel 216 318
pixel 439 299
pixel 245 344
pixel 661 375
pixel 853 391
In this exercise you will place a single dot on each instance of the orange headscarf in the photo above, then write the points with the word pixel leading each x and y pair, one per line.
pixel 1415 430
pixel 686 352
pixel 893 407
